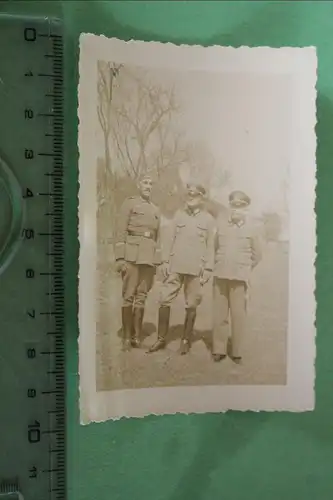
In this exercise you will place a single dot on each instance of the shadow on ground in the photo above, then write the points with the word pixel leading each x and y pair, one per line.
pixel 176 332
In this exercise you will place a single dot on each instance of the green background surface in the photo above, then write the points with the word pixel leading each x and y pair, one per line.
pixel 235 455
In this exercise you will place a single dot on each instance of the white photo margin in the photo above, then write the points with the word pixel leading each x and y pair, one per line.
pixel 299 392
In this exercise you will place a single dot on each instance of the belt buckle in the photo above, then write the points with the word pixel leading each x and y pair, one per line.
pixel 146 234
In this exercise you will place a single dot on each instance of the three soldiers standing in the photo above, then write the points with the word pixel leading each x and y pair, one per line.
pixel 197 250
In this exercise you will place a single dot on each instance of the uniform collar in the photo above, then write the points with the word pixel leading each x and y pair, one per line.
pixel 194 212
pixel 144 199
pixel 238 224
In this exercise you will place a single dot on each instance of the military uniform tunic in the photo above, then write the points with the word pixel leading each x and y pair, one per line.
pixel 138 244
pixel 190 251
pixel 237 252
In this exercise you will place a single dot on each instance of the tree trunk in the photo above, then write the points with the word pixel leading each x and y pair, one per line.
pixel 107 152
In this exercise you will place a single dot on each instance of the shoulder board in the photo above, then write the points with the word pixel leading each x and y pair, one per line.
pixel 132 199
pixel 129 201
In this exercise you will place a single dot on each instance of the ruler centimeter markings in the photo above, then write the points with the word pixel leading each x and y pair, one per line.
pixel 32 460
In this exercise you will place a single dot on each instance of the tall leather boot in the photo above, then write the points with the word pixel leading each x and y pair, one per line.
pixel 185 343
pixel 127 320
pixel 163 327
pixel 138 313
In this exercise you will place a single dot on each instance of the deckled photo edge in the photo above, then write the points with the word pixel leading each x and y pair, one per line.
pixel 90 408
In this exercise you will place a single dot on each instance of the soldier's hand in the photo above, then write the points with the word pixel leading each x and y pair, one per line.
pixel 165 270
pixel 205 276
pixel 120 266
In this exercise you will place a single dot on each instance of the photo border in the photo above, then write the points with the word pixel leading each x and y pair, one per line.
pixel 299 392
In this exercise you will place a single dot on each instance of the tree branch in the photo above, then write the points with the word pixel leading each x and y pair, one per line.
pixel 101 118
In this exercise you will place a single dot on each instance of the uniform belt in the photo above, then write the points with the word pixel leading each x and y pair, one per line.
pixel 145 234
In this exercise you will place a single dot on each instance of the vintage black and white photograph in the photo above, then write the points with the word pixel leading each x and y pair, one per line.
pixel 197 228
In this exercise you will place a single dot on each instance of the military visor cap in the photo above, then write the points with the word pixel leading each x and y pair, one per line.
pixel 239 196
pixel 146 177
pixel 196 188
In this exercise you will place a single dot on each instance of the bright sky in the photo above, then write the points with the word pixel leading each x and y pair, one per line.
pixel 244 120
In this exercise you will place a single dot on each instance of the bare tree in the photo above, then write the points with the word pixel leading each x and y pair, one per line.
pixel 107 77
pixel 107 74
pixel 142 126
pixel 203 166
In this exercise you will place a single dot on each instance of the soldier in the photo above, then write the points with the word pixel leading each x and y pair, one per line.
pixel 137 254
pixel 187 261
pixel 237 252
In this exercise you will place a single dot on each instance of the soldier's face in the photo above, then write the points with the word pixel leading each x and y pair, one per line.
pixel 238 210
pixel 145 188
pixel 194 199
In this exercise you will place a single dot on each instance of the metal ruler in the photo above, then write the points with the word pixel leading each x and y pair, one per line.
pixel 32 315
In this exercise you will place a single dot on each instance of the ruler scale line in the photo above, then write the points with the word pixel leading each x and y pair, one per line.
pixel 42 98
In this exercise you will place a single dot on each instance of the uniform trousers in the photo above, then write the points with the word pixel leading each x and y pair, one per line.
pixel 137 282
pixel 229 299
pixel 172 285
